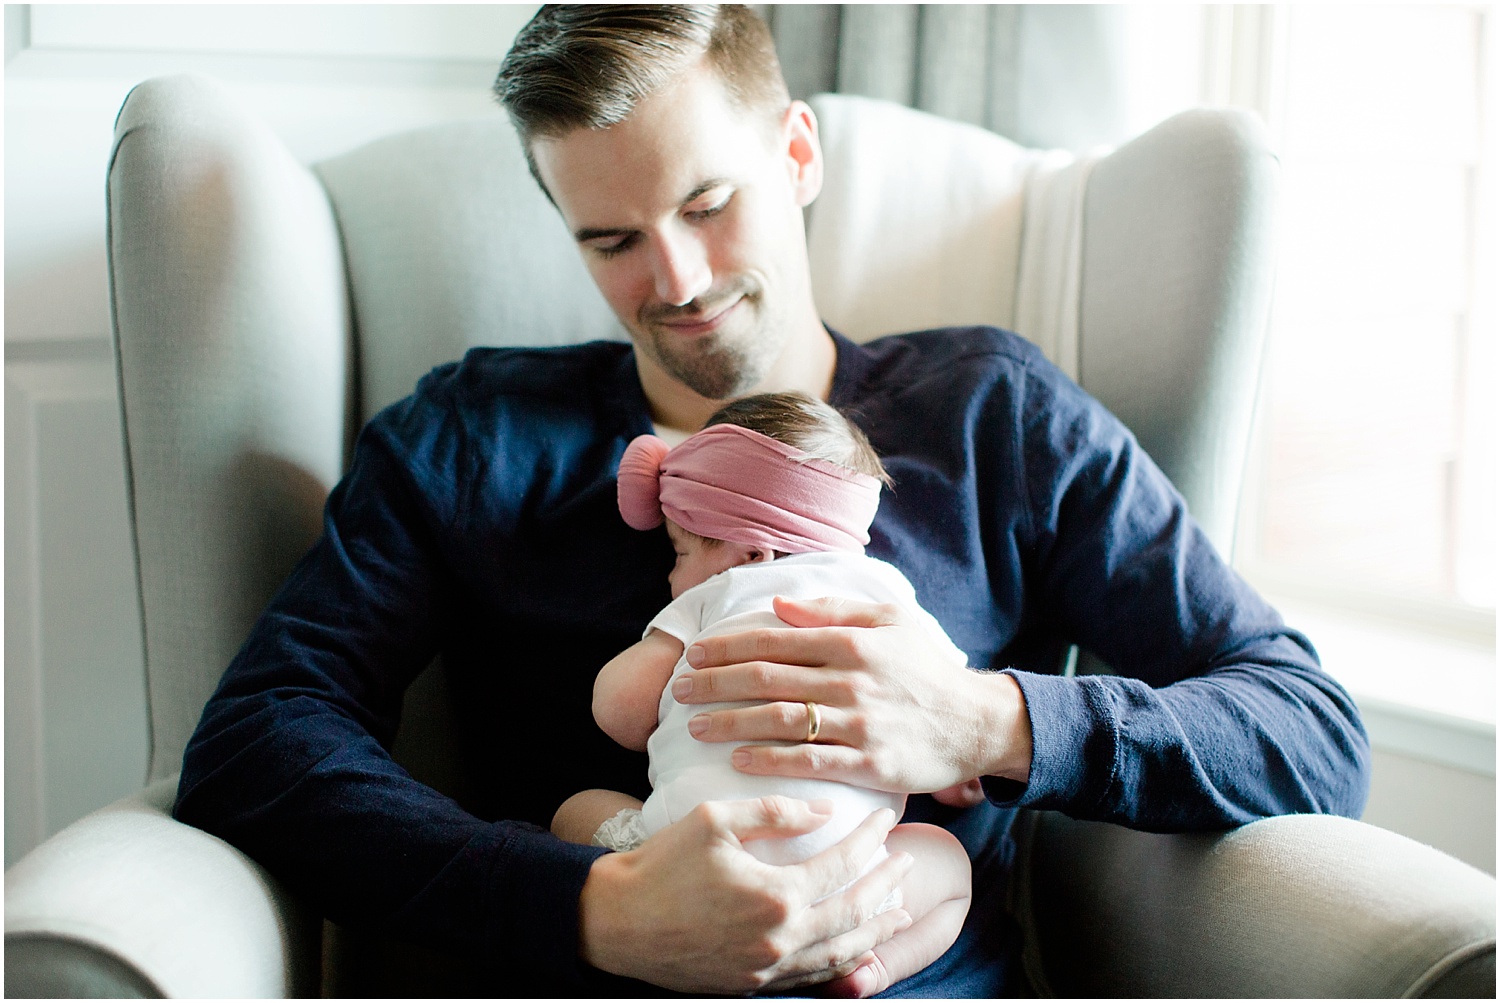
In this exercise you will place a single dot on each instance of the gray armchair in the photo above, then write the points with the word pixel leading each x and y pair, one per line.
pixel 263 310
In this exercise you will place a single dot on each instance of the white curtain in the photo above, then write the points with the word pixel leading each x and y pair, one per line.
pixel 1044 75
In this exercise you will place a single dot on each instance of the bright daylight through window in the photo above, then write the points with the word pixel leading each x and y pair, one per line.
pixel 1380 461
pixel 1372 489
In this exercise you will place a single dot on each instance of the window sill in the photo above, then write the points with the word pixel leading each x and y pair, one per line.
pixel 1421 694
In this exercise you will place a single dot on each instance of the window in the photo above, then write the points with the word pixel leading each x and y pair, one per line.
pixel 1368 514
pixel 1376 460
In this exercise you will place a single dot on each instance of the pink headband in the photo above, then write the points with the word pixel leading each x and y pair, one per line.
pixel 729 483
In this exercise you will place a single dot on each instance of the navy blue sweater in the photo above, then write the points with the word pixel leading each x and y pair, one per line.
pixel 478 522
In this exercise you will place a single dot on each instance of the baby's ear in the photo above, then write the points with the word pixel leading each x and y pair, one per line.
pixel 759 555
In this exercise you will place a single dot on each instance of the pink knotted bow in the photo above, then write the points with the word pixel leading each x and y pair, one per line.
pixel 730 483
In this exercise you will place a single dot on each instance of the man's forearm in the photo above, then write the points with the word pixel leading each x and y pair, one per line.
pixel 1208 752
pixel 323 807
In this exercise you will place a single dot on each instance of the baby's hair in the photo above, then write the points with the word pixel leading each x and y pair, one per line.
pixel 808 424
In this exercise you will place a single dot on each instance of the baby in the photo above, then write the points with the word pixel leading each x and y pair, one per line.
pixel 773 498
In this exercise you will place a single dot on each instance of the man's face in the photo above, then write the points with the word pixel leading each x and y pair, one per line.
pixel 688 215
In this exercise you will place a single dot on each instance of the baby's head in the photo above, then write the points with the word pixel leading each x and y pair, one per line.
pixel 769 475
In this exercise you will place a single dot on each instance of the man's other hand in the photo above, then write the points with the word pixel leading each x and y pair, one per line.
pixel 691 910
pixel 894 713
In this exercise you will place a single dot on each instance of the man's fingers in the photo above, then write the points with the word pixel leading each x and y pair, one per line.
pixel 761 681
pixel 823 762
pixel 816 978
pixel 841 955
pixel 835 867
pixel 832 611
pixel 768 817
pixel 779 720
pixel 845 927
pixel 796 644
pixel 778 645
pixel 873 894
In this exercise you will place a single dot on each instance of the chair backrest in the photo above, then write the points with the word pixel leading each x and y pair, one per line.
pixel 263 309
pixel 451 244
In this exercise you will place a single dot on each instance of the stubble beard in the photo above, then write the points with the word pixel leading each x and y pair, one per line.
pixel 723 365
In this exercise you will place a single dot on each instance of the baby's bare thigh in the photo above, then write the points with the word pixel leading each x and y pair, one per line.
pixel 582 814
pixel 941 871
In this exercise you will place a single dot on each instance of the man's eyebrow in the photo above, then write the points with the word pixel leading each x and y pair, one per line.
pixel 595 233
pixel 704 188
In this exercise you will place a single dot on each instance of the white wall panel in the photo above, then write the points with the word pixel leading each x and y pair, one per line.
pixel 57 142
pixel 62 96
pixel 75 679
pixel 395 31
pixel 23 709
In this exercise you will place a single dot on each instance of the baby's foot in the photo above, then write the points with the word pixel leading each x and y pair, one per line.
pixel 964 795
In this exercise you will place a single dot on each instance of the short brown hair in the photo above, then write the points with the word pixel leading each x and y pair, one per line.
pixel 806 423
pixel 588 65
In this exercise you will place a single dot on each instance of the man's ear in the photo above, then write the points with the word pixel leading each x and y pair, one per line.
pixel 799 130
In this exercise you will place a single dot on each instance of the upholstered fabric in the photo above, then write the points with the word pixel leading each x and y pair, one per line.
pixel 227 276
pixel 891 250
pixel 1051 274
pixel 451 244
pixel 1145 274
pixel 127 902
pixel 1178 250
pixel 1297 906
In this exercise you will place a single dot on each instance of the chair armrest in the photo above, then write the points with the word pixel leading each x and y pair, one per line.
pixel 129 902
pixel 1298 906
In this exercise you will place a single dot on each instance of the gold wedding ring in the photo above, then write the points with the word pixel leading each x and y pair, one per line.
pixel 814 722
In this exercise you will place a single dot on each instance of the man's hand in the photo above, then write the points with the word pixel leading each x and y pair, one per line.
pixel 691 910
pixel 894 714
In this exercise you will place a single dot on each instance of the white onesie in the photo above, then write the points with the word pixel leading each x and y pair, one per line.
pixel 685 772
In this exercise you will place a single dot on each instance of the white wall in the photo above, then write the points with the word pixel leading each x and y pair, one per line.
pixel 326 78
pixel 1437 804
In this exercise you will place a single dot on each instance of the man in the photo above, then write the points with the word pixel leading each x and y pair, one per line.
pixel 478 521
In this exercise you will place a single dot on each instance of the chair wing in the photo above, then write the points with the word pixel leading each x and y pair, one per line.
pixel 1144 273
pixel 231 331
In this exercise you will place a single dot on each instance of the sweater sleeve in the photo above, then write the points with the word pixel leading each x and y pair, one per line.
pixel 1217 713
pixel 290 759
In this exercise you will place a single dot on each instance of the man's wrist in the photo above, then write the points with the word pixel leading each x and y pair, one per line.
pixel 594 902
pixel 1005 732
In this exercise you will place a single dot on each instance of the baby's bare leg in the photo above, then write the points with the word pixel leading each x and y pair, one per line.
pixel 582 814
pixel 935 893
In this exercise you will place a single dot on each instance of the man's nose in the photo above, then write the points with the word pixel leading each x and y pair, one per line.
pixel 682 271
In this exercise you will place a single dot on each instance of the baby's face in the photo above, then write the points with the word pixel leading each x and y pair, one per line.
pixel 699 560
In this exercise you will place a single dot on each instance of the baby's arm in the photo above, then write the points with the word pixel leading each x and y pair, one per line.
pixel 627 691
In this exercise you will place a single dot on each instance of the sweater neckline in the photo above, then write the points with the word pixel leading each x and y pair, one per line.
pixel 850 368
